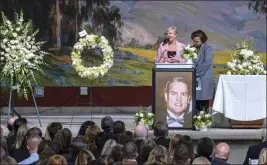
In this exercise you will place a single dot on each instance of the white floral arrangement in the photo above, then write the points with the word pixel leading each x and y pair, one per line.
pixel 20 54
pixel 244 61
pixel 90 42
pixel 189 53
pixel 144 117
pixel 202 119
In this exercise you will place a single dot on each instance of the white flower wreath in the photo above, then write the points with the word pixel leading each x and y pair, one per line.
pixel 92 41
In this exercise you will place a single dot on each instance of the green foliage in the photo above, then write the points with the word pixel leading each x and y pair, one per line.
pixel 202 119
pixel 145 117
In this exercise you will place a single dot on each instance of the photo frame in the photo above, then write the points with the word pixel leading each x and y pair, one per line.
pixel 174 96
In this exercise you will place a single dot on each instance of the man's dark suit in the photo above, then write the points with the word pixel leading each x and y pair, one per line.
pixel 219 161
pixel 164 141
pixel 254 152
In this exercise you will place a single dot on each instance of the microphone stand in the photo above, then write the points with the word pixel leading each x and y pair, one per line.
pixel 10 107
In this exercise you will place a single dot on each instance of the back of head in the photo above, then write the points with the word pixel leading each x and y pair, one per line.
pixel 174 142
pixel 104 160
pixel 84 127
pixel 52 129
pixel 10 123
pixel 57 160
pixel 63 140
pixel 8 161
pixel 141 131
pixel 84 157
pixel 33 141
pixel 146 147
pixel 21 134
pixel 34 130
pixel 222 150
pixel 181 154
pixel 117 153
pixel 77 144
pixel 189 143
pixel 158 155
pixel 44 145
pixel 18 122
pixel 91 133
pixel 130 151
pixel 160 129
pixel 118 127
pixel 127 136
pixel 108 146
pixel 263 156
pixel 107 124
pixel 205 147
pixel 201 160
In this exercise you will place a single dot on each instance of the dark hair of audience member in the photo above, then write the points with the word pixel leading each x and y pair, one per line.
pixel 105 160
pixel 62 141
pixel 45 155
pixel 160 129
pixel 205 147
pixel 130 151
pixel 173 143
pixel 181 155
pixel 3 153
pixel 21 136
pixel 158 156
pixel 107 124
pixel 146 147
pixel 84 157
pixel 44 145
pixel 128 136
pixel 117 153
pixel 3 144
pixel 34 130
pixel 8 160
pixel 57 160
pixel 18 122
pixel 77 144
pixel 52 129
pixel 84 127
pixel 189 143
pixel 90 135
pixel 118 127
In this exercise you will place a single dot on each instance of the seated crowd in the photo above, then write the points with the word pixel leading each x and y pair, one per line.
pixel 113 145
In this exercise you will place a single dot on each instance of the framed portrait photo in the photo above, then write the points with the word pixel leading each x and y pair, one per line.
pixel 174 96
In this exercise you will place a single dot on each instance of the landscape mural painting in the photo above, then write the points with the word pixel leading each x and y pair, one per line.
pixel 135 29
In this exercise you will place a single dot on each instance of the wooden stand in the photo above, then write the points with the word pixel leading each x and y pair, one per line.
pixel 247 124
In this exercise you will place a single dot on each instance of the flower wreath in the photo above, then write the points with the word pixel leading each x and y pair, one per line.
pixel 92 41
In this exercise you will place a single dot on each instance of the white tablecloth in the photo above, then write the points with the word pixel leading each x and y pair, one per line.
pixel 241 97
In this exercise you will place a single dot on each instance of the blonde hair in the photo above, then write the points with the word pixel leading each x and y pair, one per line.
pixel 21 135
pixel 57 160
pixel 84 157
pixel 263 156
pixel 201 160
pixel 172 28
pixel 158 155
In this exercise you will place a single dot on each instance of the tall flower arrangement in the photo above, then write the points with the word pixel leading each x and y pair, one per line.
pixel 244 61
pixel 20 54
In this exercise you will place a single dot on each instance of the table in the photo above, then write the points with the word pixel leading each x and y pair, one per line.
pixel 241 97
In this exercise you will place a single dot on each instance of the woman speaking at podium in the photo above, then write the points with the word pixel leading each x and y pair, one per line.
pixel 170 49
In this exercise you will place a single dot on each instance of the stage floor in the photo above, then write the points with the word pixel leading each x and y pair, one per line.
pixel 239 139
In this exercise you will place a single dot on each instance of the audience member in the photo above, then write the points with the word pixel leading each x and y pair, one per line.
pixel 130 153
pixel 117 153
pixel 201 160
pixel 146 147
pixel 8 160
pixel 84 157
pixel 220 154
pixel 77 145
pixel 3 144
pixel 62 141
pixel 128 136
pixel 181 155
pixel 173 143
pixel 90 137
pixel 254 150
pixel 107 127
pixel 45 152
pixel 52 129
pixel 205 147
pixel 140 134
pixel 57 160
pixel 10 126
pixel 189 142
pixel 161 133
pixel 104 160
pixel 34 130
pixel 3 153
pixel 158 156
pixel 32 143
pixel 118 130
pixel 106 151
pixel 263 156
pixel 84 127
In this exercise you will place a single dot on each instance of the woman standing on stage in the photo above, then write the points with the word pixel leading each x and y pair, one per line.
pixel 204 70
pixel 170 49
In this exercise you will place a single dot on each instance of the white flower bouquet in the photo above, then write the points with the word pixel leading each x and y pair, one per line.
pixel 202 119
pixel 244 61
pixel 144 117
pixel 20 55
pixel 189 53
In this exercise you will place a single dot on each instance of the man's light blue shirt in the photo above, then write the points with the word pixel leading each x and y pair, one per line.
pixel 33 158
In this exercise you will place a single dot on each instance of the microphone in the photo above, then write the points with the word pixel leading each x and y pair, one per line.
pixel 165 41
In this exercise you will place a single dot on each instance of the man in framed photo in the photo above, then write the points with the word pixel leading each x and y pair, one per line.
pixel 178 97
